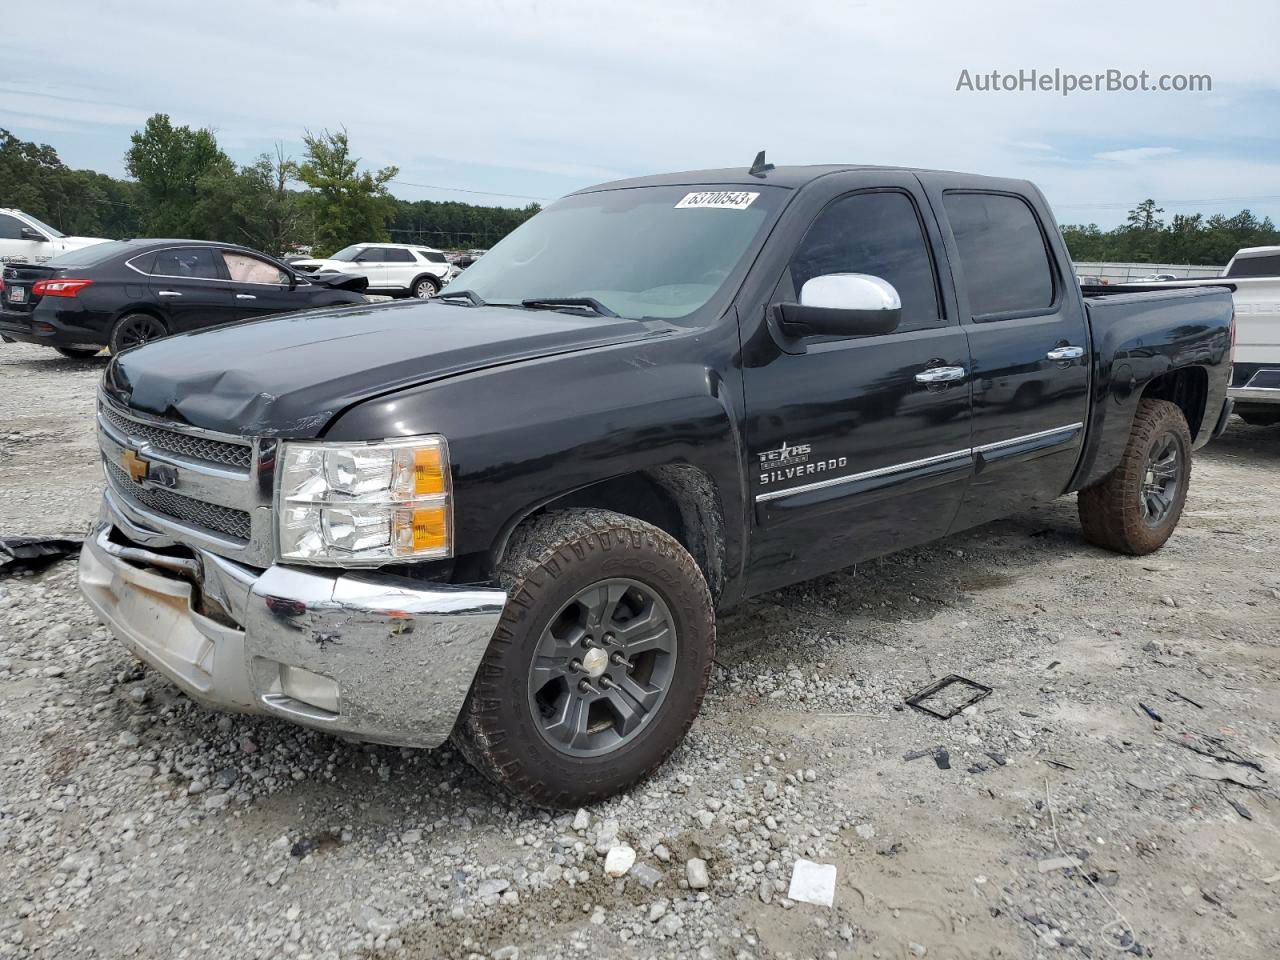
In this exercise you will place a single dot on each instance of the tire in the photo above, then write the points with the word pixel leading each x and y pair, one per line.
pixel 1124 512
pixel 74 353
pixel 424 288
pixel 507 727
pixel 1257 419
pixel 134 330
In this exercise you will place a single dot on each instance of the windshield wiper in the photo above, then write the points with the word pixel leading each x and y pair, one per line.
pixel 470 296
pixel 577 303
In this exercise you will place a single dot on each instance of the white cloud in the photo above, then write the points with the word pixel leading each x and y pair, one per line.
pixel 1135 154
pixel 539 98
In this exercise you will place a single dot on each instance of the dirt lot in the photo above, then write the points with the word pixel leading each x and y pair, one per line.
pixel 134 823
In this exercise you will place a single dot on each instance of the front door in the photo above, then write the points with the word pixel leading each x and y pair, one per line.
pixel 1028 338
pixel 258 286
pixel 859 446
pixel 19 243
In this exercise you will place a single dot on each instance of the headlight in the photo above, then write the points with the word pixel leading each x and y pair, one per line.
pixel 364 504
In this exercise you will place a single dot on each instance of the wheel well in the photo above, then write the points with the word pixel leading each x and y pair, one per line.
pixel 425 276
pixel 1188 389
pixel 678 498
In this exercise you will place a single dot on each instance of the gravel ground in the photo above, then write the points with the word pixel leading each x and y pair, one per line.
pixel 1058 818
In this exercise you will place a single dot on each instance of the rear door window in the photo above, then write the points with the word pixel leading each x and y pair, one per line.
pixel 188 263
pixel 396 255
pixel 1002 253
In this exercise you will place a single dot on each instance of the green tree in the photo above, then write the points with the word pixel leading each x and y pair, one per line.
pixel 347 205
pixel 253 206
pixel 172 165
pixel 1143 216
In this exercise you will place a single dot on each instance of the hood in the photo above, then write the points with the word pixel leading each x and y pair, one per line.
pixel 290 375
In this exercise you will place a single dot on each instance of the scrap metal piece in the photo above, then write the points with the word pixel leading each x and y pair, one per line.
pixel 916 700
pixel 31 553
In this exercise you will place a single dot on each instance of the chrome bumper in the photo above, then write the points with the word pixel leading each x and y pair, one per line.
pixel 363 654
pixel 1254 394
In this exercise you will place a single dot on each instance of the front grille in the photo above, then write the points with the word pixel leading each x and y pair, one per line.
pixel 183 444
pixel 208 516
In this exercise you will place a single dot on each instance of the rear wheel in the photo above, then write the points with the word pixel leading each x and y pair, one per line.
pixel 599 664
pixel 76 353
pixel 1136 508
pixel 135 329
pixel 425 287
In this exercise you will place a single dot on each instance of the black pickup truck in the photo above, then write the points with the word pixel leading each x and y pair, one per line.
pixel 510 514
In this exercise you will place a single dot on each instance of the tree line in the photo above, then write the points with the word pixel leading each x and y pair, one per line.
pixel 1193 238
pixel 183 185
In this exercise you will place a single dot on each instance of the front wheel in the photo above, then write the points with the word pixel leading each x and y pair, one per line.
pixel 75 353
pixel 135 329
pixel 1136 508
pixel 599 663
pixel 426 287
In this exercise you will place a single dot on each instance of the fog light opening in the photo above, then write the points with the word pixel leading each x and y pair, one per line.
pixel 310 688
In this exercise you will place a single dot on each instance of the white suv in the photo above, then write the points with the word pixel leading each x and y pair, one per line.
pixel 24 239
pixel 399 269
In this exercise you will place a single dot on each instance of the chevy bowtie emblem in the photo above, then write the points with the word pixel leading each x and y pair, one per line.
pixel 148 474
pixel 136 466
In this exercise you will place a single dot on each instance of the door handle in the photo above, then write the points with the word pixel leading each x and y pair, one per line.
pixel 1065 353
pixel 245 296
pixel 940 375
pixel 168 293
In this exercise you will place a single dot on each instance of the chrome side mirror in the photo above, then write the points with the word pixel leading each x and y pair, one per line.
pixel 842 305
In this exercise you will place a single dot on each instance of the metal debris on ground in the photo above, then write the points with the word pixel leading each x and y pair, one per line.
pixel 813 882
pixel 1184 697
pixel 975 692
pixel 1216 749
pixel 32 553
pixel 939 753
pixel 1150 713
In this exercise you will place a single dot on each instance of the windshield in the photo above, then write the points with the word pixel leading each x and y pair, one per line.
pixel 658 252
pixel 348 253
pixel 51 231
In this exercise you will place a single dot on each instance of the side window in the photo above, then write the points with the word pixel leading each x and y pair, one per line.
pixel 145 263
pixel 1002 251
pixel 371 255
pixel 878 234
pixel 433 256
pixel 10 227
pixel 245 269
pixel 187 262
pixel 1266 266
pixel 396 255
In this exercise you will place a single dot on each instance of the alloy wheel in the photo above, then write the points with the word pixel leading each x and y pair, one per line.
pixel 602 668
pixel 1161 476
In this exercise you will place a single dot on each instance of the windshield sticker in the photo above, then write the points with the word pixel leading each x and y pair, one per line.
pixel 717 200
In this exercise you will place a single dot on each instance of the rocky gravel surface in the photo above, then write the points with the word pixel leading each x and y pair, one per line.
pixel 1114 795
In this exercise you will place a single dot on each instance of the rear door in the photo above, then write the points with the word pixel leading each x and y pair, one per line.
pixel 855 449
pixel 1028 342
pixel 258 286
pixel 188 286
pixel 401 268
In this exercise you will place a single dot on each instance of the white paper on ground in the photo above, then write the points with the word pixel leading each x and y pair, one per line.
pixel 813 882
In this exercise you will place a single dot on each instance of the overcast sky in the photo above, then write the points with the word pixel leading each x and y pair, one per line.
pixel 539 97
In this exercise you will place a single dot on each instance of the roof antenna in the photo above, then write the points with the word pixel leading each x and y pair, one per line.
pixel 759 168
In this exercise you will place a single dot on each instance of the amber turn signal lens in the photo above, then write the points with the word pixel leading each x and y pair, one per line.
pixel 430 528
pixel 428 471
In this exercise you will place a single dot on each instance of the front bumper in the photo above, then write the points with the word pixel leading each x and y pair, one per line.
pixel 363 654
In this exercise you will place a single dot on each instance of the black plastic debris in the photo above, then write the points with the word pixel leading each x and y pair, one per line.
pixel 32 553
pixel 969 693
pixel 939 753
pixel 1150 713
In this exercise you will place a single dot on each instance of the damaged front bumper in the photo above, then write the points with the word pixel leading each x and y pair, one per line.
pixel 363 654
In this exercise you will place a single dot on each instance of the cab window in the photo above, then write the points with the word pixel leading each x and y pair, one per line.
pixel 879 234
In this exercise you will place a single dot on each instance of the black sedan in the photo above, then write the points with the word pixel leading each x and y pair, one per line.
pixel 124 293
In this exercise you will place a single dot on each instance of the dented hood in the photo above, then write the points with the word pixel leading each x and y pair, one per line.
pixel 290 375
